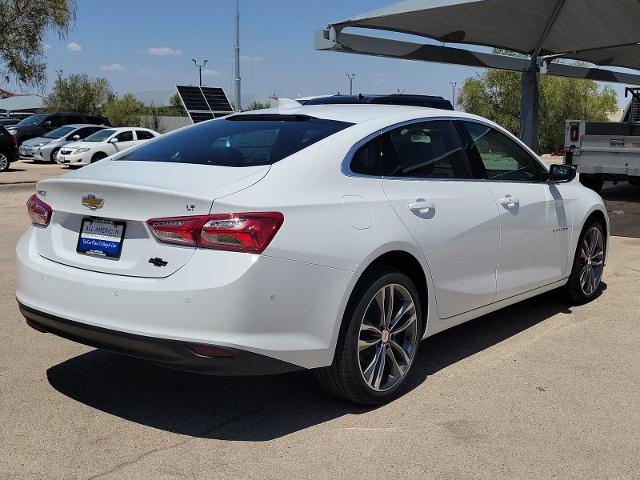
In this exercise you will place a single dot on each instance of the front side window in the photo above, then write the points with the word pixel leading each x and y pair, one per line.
pixel 503 159
pixel 238 141
pixel 100 136
pixel 126 136
pixel 425 150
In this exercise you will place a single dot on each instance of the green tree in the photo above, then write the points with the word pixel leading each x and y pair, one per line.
pixel 78 93
pixel 23 26
pixel 125 112
pixel 495 95
pixel 257 105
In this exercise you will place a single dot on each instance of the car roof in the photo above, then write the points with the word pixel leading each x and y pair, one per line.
pixel 359 113
pixel 83 125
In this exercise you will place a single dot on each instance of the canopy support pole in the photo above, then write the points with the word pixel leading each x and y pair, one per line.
pixel 529 100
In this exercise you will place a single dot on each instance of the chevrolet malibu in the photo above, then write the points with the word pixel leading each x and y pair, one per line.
pixel 324 237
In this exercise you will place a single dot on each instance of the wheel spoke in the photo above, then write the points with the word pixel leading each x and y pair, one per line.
pixel 382 360
pixel 398 349
pixel 407 306
pixel 380 299
pixel 583 276
pixel 370 371
pixel 389 310
pixel 363 344
pixel 404 325
pixel 396 369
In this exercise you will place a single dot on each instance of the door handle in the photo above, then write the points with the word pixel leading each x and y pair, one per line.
pixel 509 202
pixel 421 206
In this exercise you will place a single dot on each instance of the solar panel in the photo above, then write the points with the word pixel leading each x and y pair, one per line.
pixel 204 103
pixel 197 117
pixel 217 99
pixel 193 98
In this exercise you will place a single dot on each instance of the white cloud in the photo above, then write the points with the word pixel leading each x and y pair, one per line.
pixel 252 58
pixel 210 72
pixel 163 51
pixel 74 47
pixel 114 67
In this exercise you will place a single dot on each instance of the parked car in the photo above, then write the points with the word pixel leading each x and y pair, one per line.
pixel 46 148
pixel 8 121
pixel 8 150
pixel 40 123
pixel 326 237
pixel 102 144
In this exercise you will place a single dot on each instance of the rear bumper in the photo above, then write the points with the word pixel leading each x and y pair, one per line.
pixel 281 309
pixel 171 353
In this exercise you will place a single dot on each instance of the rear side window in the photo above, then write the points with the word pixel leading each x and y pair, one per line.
pixel 238 141
pixel 144 135
pixel 426 150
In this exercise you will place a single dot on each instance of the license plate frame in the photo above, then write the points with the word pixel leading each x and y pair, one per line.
pixel 105 245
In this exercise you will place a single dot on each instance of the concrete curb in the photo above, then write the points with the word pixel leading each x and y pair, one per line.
pixel 17 186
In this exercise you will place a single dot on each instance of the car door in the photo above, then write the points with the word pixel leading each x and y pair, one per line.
pixel 125 140
pixel 452 216
pixel 534 228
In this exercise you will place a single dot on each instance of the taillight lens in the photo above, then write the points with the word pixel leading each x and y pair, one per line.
pixel 238 232
pixel 39 211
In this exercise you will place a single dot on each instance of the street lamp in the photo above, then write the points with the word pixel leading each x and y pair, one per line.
pixel 350 76
pixel 199 66
pixel 453 93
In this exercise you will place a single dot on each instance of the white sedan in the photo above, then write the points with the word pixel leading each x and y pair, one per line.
pixel 326 237
pixel 102 144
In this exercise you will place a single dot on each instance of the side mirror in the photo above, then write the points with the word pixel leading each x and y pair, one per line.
pixel 562 173
pixel 47 123
pixel 75 138
pixel 113 140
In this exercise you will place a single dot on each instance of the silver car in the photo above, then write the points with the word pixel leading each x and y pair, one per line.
pixel 45 148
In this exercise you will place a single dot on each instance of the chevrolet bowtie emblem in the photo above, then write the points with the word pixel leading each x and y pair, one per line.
pixel 91 201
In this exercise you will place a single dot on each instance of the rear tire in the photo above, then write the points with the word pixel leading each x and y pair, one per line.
pixel 592 181
pixel 97 157
pixel 588 265
pixel 377 346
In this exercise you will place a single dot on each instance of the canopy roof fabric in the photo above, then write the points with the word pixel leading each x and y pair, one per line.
pixel 603 32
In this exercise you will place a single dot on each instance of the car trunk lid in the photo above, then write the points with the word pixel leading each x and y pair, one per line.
pixel 132 193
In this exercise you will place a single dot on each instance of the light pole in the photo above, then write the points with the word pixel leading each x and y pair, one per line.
pixel 238 80
pixel 453 93
pixel 199 65
pixel 59 72
pixel 350 76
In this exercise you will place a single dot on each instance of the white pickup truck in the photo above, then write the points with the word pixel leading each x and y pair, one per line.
pixel 606 150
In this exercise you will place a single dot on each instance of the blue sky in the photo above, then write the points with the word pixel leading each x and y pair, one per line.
pixel 148 45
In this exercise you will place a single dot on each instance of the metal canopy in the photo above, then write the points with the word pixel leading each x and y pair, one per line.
pixel 602 32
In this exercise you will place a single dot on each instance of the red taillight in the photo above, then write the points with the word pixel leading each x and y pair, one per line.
pixel 238 232
pixel 574 132
pixel 39 211
pixel 14 140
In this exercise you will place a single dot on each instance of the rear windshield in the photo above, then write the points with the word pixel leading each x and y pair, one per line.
pixel 238 141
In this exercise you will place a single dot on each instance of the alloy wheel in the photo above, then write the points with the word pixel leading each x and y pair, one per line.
pixel 388 337
pixel 591 261
pixel 4 162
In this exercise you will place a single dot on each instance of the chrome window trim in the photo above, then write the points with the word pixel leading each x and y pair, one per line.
pixel 345 167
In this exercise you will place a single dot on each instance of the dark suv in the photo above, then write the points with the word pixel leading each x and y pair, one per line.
pixel 40 123
pixel 8 149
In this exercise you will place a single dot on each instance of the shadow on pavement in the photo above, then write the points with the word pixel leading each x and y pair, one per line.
pixel 261 408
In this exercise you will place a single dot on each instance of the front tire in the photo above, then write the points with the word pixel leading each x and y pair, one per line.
pixel 4 162
pixel 588 265
pixel 378 341
pixel 54 155
pixel 98 156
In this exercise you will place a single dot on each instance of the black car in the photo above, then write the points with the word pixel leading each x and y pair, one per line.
pixel 8 149
pixel 40 123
